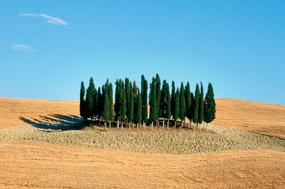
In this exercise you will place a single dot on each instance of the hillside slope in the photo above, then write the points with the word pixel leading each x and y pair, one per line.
pixel 253 116
pixel 233 113
pixel 42 165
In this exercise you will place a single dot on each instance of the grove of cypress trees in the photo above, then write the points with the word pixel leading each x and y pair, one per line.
pixel 210 105
pixel 172 100
pixel 201 105
pixel 176 107
pixel 82 101
pixel 182 106
pixel 90 98
pixel 196 107
pixel 144 95
pixel 152 101
pixel 188 100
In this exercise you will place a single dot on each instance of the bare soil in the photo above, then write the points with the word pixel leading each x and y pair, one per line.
pixel 39 148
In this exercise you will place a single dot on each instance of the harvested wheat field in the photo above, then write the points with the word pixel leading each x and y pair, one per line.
pixel 39 149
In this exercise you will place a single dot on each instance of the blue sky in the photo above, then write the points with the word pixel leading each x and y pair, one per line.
pixel 48 47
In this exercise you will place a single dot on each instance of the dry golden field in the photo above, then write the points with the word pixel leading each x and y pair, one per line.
pixel 34 156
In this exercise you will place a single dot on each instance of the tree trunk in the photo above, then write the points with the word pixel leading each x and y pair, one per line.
pixel 118 123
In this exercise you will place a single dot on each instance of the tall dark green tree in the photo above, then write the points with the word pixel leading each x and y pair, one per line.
pixel 110 96
pixel 131 105
pixel 82 101
pixel 196 107
pixel 138 109
pixel 192 108
pixel 158 93
pixel 117 95
pixel 172 101
pixel 106 106
pixel 100 103
pixel 176 107
pixel 122 103
pixel 210 105
pixel 152 101
pixel 201 105
pixel 90 98
pixel 144 95
pixel 182 106
pixel 188 100
pixel 165 107
pixel 128 94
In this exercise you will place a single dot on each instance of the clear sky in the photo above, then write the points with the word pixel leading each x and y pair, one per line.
pixel 48 47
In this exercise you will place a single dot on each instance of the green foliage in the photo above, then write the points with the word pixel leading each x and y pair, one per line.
pixel 131 104
pixel 172 100
pixel 122 101
pixel 188 100
pixel 201 105
pixel 90 98
pixel 82 101
pixel 182 106
pixel 128 93
pixel 165 106
pixel 196 107
pixel 176 105
pixel 152 101
pixel 210 105
pixel 144 95
pixel 110 96
pixel 158 86
pixel 192 107
pixel 138 107
pixel 106 106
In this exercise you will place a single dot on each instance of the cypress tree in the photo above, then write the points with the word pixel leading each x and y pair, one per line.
pixel 116 106
pixel 182 106
pixel 188 100
pixel 196 107
pixel 152 101
pixel 201 105
pixel 82 101
pixel 165 101
pixel 131 105
pixel 90 98
pixel 138 109
pixel 176 107
pixel 110 96
pixel 172 101
pixel 144 95
pixel 100 103
pixel 128 93
pixel 106 106
pixel 158 93
pixel 192 108
pixel 122 102
pixel 210 105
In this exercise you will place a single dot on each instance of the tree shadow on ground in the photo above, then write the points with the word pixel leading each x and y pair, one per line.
pixel 58 122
